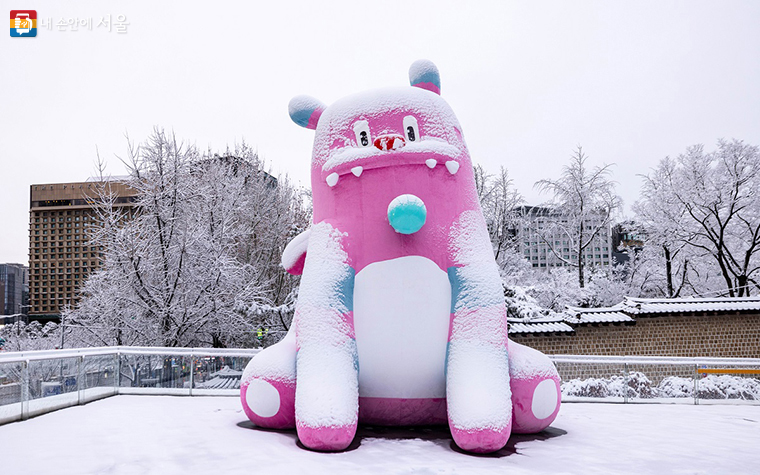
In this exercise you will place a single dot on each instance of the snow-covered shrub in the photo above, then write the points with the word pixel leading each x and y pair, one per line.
pixel 32 336
pixel 636 385
pixel 729 387
pixel 711 387
pixel 522 305
pixel 591 387
pixel 676 386
pixel 639 386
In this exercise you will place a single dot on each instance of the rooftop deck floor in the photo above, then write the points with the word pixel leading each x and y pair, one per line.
pixel 211 435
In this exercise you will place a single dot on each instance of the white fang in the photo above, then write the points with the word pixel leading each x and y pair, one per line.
pixel 452 166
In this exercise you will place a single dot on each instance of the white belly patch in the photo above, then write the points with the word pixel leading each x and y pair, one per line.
pixel 401 318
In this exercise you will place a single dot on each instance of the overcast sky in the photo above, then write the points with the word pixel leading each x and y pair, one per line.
pixel 630 81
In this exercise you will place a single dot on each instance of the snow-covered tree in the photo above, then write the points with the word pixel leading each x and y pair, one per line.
pixel 586 201
pixel 499 200
pixel 20 336
pixel 706 205
pixel 664 223
pixel 200 254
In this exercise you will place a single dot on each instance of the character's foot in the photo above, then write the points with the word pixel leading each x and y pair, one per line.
pixel 269 403
pixel 268 386
pixel 480 441
pixel 328 439
pixel 535 388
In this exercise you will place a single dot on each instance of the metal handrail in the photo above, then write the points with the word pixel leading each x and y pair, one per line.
pixel 19 356
pixel 669 360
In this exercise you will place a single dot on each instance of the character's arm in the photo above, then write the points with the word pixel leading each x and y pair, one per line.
pixel 327 391
pixel 477 377
pixel 294 255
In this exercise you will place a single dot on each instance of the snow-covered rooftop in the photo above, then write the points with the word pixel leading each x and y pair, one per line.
pixel 220 382
pixel 227 372
pixel 577 316
pixel 225 378
pixel 539 326
pixel 197 435
pixel 640 306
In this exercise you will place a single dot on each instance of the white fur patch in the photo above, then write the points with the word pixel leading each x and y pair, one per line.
pixel 401 318
pixel 263 398
pixel 544 399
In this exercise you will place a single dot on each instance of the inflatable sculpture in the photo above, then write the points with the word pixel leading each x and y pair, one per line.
pixel 400 318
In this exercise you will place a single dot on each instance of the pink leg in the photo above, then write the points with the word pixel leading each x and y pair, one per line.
pixel 535 387
pixel 268 386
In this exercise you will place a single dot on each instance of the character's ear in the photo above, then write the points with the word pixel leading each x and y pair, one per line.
pixel 305 111
pixel 424 74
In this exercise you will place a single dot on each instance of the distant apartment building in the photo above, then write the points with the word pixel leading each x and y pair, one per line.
pixel 626 237
pixel 543 241
pixel 14 289
pixel 60 254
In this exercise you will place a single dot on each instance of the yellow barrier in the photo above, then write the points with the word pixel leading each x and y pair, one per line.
pixel 727 371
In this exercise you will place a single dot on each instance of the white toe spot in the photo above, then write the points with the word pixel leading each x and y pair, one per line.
pixel 263 398
pixel 544 399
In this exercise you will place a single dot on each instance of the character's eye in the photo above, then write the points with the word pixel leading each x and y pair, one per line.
pixel 411 131
pixel 361 129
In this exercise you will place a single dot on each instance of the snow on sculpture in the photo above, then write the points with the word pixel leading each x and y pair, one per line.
pixel 400 318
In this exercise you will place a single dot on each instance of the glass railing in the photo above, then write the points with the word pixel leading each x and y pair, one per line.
pixel 671 380
pixel 36 382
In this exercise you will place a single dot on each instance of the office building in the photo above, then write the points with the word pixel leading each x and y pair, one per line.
pixel 60 254
pixel 542 236
pixel 14 289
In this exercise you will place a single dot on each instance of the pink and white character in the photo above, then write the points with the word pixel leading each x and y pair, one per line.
pixel 400 318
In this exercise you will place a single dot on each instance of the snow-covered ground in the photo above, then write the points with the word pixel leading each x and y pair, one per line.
pixel 211 435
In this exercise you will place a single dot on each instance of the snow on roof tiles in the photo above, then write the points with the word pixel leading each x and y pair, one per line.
pixel 614 314
pixel 540 327
pixel 227 372
pixel 220 383
pixel 626 311
pixel 639 306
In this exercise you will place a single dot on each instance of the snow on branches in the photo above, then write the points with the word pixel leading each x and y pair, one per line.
pixel 703 208
pixel 200 249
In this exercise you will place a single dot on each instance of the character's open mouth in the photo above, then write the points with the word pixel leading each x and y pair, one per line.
pixel 355 160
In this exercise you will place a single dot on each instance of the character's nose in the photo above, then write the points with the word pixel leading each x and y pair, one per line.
pixel 390 142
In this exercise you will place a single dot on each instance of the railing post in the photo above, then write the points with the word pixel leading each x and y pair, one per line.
pixel 117 376
pixel 627 380
pixel 192 373
pixel 696 384
pixel 24 390
pixel 80 370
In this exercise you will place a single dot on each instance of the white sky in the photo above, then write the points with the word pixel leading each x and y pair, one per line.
pixel 630 81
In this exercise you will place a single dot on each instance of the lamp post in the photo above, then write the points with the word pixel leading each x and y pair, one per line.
pixel 19 316
pixel 63 332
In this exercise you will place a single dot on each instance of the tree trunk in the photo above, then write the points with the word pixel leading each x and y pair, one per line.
pixel 743 289
pixel 580 256
pixel 669 270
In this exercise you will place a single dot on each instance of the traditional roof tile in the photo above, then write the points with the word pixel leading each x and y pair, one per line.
pixel 640 306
